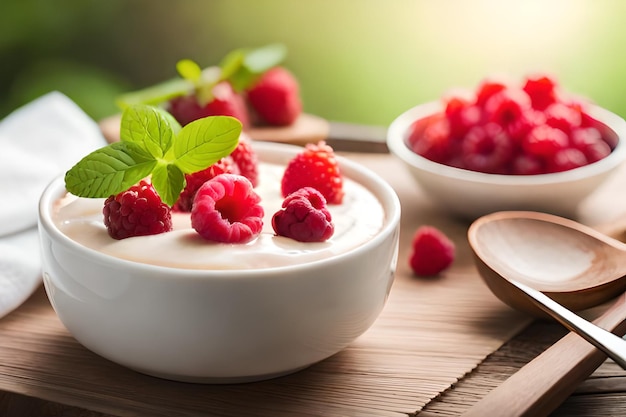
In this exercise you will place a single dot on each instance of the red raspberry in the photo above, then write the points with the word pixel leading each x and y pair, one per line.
pixel 542 91
pixel 227 210
pixel 487 148
pixel 589 140
pixel 545 141
pixel 566 159
pixel 276 98
pixel 527 122
pixel 587 120
pixel 315 166
pixel 524 164
pixel 461 115
pixel 417 128
pixel 563 117
pixel 194 181
pixel 487 89
pixel 137 211
pixel 434 141
pixel 304 217
pixel 507 107
pixel 432 251
pixel 226 102
pixel 246 160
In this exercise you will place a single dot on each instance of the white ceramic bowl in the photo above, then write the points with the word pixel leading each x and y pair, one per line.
pixel 470 194
pixel 220 326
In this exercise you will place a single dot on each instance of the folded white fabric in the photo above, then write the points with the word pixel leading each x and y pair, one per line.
pixel 38 142
pixel 20 268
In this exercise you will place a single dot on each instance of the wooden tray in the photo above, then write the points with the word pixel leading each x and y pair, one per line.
pixel 430 334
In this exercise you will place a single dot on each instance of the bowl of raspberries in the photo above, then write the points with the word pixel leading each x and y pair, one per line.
pixel 509 146
pixel 195 254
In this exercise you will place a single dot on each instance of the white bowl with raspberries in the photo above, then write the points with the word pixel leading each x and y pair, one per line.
pixel 509 146
pixel 295 304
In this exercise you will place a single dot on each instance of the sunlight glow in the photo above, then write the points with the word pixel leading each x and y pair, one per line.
pixel 507 33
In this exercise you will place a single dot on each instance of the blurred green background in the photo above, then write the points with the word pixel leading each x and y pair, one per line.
pixel 360 61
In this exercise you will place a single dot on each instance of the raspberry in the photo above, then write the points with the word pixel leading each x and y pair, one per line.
pixel 487 89
pixel 434 142
pixel 461 115
pixel 137 211
pixel 315 166
pixel 487 148
pixel 530 119
pixel 226 209
pixel 541 90
pixel 432 251
pixel 589 141
pixel 194 181
pixel 507 107
pixel 563 117
pixel 524 164
pixel 246 160
pixel 565 159
pixel 226 102
pixel 275 97
pixel 545 141
pixel 417 128
pixel 587 120
pixel 304 217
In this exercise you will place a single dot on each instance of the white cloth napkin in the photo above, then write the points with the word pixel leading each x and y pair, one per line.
pixel 38 142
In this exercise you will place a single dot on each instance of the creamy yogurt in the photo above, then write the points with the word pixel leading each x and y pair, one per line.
pixel 359 218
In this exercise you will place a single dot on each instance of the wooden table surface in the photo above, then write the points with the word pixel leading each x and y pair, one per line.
pixel 439 346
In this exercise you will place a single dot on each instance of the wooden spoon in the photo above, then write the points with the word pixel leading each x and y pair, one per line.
pixel 568 261
pixel 573 264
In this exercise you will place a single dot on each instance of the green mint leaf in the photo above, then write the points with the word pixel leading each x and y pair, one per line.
pixel 203 142
pixel 202 80
pixel 251 64
pixel 168 180
pixel 242 79
pixel 149 127
pixel 241 67
pixel 153 144
pixel 259 60
pixel 156 94
pixel 231 63
pixel 109 170
pixel 189 70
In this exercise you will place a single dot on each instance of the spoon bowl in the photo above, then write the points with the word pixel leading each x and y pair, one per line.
pixel 575 265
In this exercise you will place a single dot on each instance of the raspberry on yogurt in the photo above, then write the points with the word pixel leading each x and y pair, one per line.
pixel 304 217
pixel 227 209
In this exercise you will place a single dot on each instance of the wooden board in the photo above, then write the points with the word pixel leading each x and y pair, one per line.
pixel 307 128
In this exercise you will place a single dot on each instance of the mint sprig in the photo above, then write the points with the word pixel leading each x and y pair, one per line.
pixel 241 67
pixel 152 143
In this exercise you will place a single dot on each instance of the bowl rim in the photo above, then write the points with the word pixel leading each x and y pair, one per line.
pixel 398 130
pixel 350 169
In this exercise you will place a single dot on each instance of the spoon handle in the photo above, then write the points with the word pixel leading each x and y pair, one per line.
pixel 540 386
pixel 614 346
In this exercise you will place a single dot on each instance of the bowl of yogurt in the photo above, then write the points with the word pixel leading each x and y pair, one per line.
pixel 171 306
